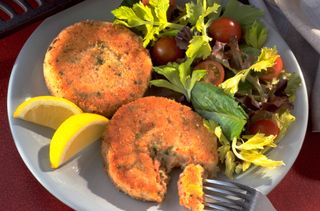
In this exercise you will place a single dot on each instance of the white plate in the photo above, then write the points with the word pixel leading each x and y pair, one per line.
pixel 82 184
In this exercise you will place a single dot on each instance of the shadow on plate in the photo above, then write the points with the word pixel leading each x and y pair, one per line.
pixel 40 130
pixel 91 168
pixel 43 159
pixel 255 172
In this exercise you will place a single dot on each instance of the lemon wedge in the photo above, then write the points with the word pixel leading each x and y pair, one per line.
pixel 74 134
pixel 47 111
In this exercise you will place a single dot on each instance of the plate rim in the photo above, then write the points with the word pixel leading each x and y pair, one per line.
pixel 42 180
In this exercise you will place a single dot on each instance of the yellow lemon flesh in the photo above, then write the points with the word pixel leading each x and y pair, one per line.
pixel 47 111
pixel 75 134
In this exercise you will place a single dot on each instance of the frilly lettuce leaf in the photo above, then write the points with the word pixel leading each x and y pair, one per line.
pixel 256 35
pixel 255 157
pixel 230 164
pixel 294 82
pixel 231 85
pixel 179 77
pixel 196 15
pixel 266 59
pixel 199 47
pixel 257 141
pixel 284 120
pixel 149 19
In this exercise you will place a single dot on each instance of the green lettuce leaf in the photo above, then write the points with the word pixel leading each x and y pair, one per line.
pixel 179 76
pixel 222 151
pixel 199 47
pixel 294 82
pixel 265 60
pixel 196 15
pixel 230 164
pixel 213 104
pixel 256 35
pixel 231 85
pixel 244 14
pixel 284 120
pixel 149 19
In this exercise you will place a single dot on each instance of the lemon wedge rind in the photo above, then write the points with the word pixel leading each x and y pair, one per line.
pixel 49 111
pixel 75 134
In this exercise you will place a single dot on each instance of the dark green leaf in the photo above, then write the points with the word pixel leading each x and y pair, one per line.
pixel 294 82
pixel 244 14
pixel 212 103
pixel 129 3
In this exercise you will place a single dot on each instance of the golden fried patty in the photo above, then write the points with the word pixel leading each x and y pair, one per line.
pixel 190 187
pixel 97 65
pixel 148 137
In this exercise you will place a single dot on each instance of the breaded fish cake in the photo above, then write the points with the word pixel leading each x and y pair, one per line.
pixel 190 187
pixel 97 65
pixel 148 137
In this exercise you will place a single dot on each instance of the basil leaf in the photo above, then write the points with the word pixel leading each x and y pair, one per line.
pixel 213 104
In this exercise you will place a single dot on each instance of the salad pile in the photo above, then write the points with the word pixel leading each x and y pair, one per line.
pixel 213 55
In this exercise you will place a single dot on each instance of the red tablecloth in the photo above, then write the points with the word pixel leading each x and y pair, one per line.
pixel 19 190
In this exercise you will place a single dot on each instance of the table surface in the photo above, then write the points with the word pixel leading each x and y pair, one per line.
pixel 299 190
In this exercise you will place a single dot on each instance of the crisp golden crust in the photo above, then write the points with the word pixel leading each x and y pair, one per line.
pixel 97 65
pixel 190 187
pixel 148 137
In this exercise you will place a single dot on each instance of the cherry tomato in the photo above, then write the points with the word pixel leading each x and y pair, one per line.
pixel 265 126
pixel 165 50
pixel 224 28
pixel 274 71
pixel 215 74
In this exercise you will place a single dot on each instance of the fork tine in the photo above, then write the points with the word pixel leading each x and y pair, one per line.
pixel 242 191
pixel 226 192
pixel 217 207
pixel 228 184
pixel 220 207
pixel 223 203
pixel 224 199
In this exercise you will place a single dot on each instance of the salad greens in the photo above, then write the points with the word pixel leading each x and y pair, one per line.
pixel 243 97
pixel 244 14
pixel 179 77
pixel 213 104
pixel 256 35
pixel 150 20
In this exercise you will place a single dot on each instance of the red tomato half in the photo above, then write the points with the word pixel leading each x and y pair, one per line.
pixel 265 126
pixel 215 74
pixel 274 71
pixel 224 28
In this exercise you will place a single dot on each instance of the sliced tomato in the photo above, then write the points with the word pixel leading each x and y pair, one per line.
pixel 215 74
pixel 265 126
pixel 274 71
pixel 224 28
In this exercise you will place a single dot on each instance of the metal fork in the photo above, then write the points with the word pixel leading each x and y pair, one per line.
pixel 227 195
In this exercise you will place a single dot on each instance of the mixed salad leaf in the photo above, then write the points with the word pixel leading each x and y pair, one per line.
pixel 236 109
